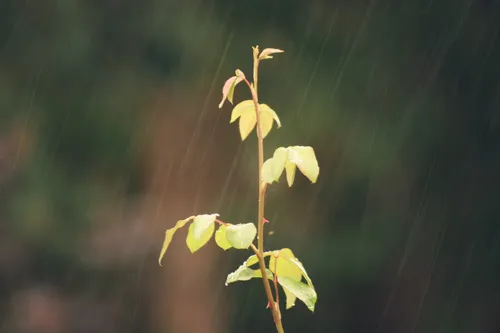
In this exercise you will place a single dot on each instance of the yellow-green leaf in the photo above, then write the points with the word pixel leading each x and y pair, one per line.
pixel 302 291
pixel 221 239
pixel 246 106
pixel 247 124
pixel 243 273
pixel 305 159
pixel 266 53
pixel 267 116
pixel 290 172
pixel 303 271
pixel 281 265
pixel 240 236
pixel 273 167
pixel 200 231
pixel 252 260
pixel 245 111
pixel 170 233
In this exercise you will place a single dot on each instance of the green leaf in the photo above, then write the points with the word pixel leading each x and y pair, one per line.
pixel 266 53
pixel 290 172
pixel 305 159
pixel 200 231
pixel 170 233
pixel 302 291
pixel 252 260
pixel 244 273
pixel 273 167
pixel 240 236
pixel 267 116
pixel 228 89
pixel 281 265
pixel 221 239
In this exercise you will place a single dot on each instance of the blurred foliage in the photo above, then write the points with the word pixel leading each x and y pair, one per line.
pixel 399 99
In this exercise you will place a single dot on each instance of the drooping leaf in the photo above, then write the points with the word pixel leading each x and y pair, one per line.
pixel 266 53
pixel 273 167
pixel 302 291
pixel 302 270
pixel 267 116
pixel 170 233
pixel 252 260
pixel 247 124
pixel 246 106
pixel 281 265
pixel 290 172
pixel 200 231
pixel 228 89
pixel 245 111
pixel 221 239
pixel 305 159
pixel 201 223
pixel 245 273
pixel 240 236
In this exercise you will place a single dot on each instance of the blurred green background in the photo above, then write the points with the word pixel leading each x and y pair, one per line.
pixel 110 133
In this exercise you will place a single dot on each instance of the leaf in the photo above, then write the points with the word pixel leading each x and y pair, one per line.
pixel 290 172
pixel 228 89
pixel 200 231
pixel 247 124
pixel 305 159
pixel 267 116
pixel 246 112
pixel 240 236
pixel 303 270
pixel 244 273
pixel 170 233
pixel 221 239
pixel 246 106
pixel 281 265
pixel 266 53
pixel 302 291
pixel 252 260
pixel 273 167
pixel 240 74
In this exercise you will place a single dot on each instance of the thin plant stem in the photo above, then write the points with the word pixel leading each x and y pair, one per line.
pixel 260 217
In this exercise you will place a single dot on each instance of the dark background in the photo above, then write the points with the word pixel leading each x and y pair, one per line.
pixel 110 133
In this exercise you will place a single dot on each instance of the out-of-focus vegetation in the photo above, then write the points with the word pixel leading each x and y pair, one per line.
pixel 110 133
